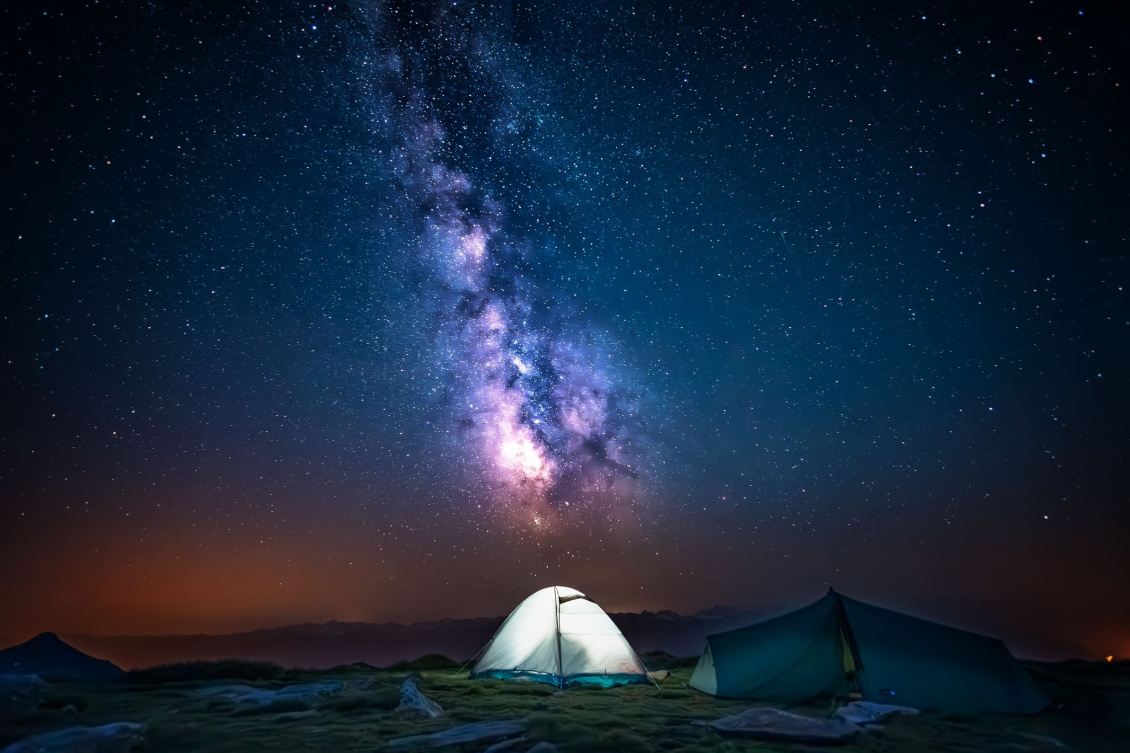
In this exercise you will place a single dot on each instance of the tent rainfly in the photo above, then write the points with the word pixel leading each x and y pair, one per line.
pixel 838 645
pixel 558 636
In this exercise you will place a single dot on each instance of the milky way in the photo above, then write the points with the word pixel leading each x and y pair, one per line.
pixel 403 310
pixel 534 398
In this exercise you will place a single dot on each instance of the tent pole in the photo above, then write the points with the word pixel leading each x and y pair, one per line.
pixel 847 635
pixel 557 622
pixel 645 672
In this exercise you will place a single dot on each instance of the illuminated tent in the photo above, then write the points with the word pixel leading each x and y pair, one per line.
pixel 838 645
pixel 559 636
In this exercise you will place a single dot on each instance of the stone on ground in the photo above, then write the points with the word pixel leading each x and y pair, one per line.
pixel 413 700
pixel 263 696
pixel 20 694
pixel 775 724
pixel 119 737
pixel 866 712
pixel 479 732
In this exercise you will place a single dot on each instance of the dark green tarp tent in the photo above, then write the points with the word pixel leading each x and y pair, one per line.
pixel 838 645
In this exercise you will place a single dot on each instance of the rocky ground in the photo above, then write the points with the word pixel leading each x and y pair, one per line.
pixel 260 708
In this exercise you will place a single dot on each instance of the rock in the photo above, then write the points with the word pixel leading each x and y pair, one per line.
pixel 21 684
pixel 291 716
pixel 230 692
pixel 118 737
pixel 543 747
pixel 479 732
pixel 263 696
pixel 413 701
pixel 774 724
pixel 1034 743
pixel 505 745
pixel 866 712
pixel 307 691
pixel 20 694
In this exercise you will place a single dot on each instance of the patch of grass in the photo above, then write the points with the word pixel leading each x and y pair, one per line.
pixel 535 689
pixel 41 717
pixel 561 731
pixel 275 707
pixel 384 699
pixel 61 700
pixel 622 741
pixel 629 719
pixel 657 660
pixel 200 671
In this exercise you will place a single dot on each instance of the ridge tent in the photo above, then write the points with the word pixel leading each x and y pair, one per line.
pixel 558 636
pixel 838 645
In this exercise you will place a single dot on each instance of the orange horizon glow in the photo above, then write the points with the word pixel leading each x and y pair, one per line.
pixel 177 580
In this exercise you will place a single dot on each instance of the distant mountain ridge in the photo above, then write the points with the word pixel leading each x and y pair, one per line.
pixel 334 643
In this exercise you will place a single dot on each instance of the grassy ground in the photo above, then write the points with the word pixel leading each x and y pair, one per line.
pixel 1094 715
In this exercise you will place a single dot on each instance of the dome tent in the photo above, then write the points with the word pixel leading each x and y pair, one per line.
pixel 838 645
pixel 558 636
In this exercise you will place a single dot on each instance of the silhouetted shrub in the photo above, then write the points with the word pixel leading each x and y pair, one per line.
pixel 657 660
pixel 61 700
pixel 425 662
pixel 196 671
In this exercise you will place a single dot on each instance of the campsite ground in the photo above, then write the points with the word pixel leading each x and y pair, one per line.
pixel 1093 714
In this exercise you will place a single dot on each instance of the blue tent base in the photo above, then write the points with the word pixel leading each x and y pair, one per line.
pixel 598 681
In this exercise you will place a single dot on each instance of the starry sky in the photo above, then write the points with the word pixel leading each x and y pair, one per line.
pixel 401 311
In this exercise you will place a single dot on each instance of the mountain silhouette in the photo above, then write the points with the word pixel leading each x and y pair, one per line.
pixel 49 657
pixel 335 643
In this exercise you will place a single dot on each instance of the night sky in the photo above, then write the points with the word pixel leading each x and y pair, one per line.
pixel 401 311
